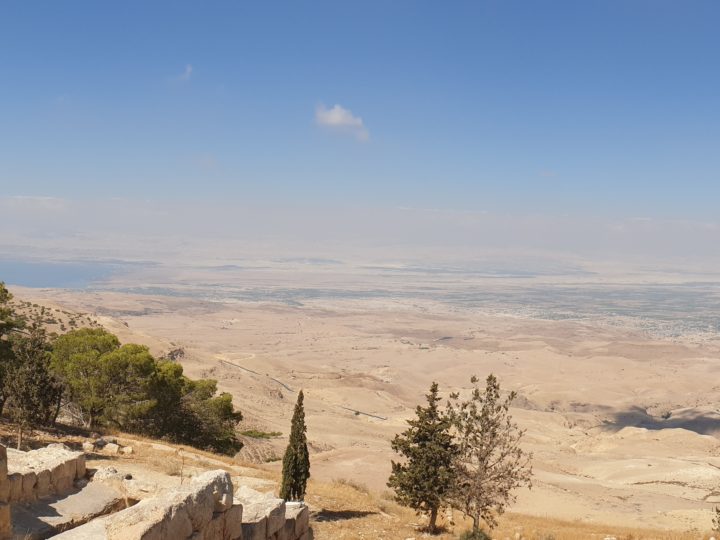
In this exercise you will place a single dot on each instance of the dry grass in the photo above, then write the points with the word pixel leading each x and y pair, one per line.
pixel 344 510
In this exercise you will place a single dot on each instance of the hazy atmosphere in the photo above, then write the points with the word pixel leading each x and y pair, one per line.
pixel 307 213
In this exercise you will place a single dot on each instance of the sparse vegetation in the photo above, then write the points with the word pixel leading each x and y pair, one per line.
pixel 257 434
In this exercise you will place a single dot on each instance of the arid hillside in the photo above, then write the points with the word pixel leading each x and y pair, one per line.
pixel 622 425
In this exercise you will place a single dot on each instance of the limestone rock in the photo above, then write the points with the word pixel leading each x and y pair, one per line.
pixel 300 515
pixel 233 521
pixel 254 530
pixel 258 505
pixel 111 448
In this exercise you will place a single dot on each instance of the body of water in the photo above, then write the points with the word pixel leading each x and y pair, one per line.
pixel 63 275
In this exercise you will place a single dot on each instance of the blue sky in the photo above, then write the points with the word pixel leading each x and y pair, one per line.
pixel 609 108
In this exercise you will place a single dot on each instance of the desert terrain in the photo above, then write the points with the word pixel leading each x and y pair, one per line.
pixel 621 415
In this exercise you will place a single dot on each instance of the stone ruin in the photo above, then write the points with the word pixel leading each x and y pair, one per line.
pixel 48 493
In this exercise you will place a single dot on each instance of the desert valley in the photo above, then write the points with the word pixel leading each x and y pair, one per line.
pixel 621 410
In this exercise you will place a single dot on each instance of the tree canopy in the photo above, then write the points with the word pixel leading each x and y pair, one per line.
pixel 467 457
pixel 490 465
pixel 124 386
pixel 426 476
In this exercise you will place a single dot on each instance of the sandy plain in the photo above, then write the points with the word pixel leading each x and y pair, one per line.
pixel 622 425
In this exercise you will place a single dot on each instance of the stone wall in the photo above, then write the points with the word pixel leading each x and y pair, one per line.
pixel 28 476
pixel 5 527
pixel 268 518
pixel 51 470
pixel 203 509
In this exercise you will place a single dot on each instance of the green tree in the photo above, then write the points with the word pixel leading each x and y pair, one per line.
pixel 426 475
pixel 126 376
pixel 10 325
pixel 206 420
pixel 30 387
pixel 490 464
pixel 296 461
pixel 78 359
pixel 125 387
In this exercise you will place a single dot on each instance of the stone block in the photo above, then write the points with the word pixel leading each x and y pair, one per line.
pixel 15 481
pixel 233 522
pixel 80 469
pixel 127 450
pixel 5 523
pixel 4 489
pixel 258 504
pixel 288 530
pixel 220 485
pixel 29 479
pixel 45 484
pixel 275 515
pixel 4 485
pixel 300 515
pixel 254 530
pixel 88 447
pixel 111 448
pixel 200 506
pixel 215 530
pixel 151 519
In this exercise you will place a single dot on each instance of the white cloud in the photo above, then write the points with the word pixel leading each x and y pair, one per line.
pixel 341 120
pixel 187 73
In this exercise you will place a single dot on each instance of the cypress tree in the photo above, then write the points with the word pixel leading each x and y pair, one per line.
pixel 426 476
pixel 296 461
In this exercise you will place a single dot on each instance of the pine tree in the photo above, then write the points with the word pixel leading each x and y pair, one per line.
pixel 30 387
pixel 10 325
pixel 296 461
pixel 490 465
pixel 426 476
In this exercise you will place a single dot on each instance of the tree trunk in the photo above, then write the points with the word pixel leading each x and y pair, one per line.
pixel 20 434
pixel 58 405
pixel 433 519
pixel 476 523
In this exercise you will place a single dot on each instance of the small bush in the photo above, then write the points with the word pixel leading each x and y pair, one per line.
pixel 257 434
